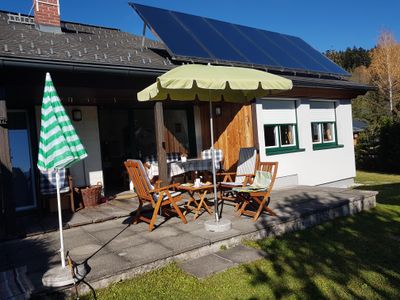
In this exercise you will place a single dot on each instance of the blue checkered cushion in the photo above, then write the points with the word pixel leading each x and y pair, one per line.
pixel 206 154
pixel 48 182
pixel 171 157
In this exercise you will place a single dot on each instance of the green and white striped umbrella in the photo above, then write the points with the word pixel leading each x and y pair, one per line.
pixel 59 145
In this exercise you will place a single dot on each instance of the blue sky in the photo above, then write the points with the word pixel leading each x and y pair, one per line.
pixel 323 24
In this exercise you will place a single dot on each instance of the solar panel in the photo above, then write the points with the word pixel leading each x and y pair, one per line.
pixel 189 37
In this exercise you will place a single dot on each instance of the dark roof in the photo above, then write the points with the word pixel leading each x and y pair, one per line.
pixel 100 48
pixel 359 125
pixel 78 43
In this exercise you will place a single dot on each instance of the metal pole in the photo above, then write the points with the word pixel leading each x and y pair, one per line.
pixel 60 219
pixel 213 162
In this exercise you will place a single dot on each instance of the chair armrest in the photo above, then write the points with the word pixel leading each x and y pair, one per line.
pixel 227 176
pixel 70 183
pixel 226 173
pixel 157 185
pixel 164 188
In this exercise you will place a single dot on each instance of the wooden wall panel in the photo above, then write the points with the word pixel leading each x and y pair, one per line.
pixel 232 130
pixel 172 144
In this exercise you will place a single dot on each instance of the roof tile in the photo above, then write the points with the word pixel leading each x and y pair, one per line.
pixel 79 43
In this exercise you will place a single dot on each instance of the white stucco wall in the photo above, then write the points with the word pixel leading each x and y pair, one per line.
pixel 311 167
pixel 89 171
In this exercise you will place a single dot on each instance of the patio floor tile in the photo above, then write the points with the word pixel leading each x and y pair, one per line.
pixel 206 265
pixel 242 254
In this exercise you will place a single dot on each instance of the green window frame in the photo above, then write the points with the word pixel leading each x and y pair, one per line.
pixel 281 138
pixel 324 135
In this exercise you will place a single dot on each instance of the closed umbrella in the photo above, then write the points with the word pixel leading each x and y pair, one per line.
pixel 214 83
pixel 59 146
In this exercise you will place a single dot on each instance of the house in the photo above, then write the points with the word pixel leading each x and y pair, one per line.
pixel 358 127
pixel 97 72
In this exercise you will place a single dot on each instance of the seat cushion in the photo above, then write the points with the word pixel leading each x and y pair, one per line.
pixel 231 184
pixel 48 182
pixel 165 197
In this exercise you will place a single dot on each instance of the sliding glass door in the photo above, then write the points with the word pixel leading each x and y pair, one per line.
pixel 23 183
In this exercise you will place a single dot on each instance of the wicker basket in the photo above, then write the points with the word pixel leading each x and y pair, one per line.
pixel 91 195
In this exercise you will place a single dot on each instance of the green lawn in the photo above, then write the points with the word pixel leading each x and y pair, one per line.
pixel 353 257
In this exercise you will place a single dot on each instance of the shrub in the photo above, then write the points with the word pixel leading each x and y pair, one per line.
pixel 378 147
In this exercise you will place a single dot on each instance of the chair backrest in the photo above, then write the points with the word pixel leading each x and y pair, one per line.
pixel 206 154
pixel 48 184
pixel 139 178
pixel 171 157
pixel 270 167
pixel 247 163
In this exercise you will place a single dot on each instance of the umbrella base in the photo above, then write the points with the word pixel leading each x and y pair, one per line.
pixel 221 226
pixel 57 277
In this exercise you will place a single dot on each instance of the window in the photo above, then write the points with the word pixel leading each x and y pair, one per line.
pixel 287 133
pixel 324 135
pixel 323 125
pixel 280 138
pixel 316 132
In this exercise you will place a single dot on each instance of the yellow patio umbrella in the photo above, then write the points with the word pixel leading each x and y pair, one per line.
pixel 213 84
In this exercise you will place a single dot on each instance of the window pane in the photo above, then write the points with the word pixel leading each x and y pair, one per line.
pixel 270 136
pixel 287 135
pixel 328 132
pixel 316 133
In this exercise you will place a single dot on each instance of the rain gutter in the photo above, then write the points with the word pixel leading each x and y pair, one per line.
pixel 7 62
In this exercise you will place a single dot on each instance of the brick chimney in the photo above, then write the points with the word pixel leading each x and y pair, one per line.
pixel 47 15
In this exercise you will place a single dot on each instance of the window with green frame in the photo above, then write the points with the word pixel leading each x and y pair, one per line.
pixel 280 138
pixel 324 135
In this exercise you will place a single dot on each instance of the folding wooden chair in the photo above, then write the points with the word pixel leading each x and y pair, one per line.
pixel 245 171
pixel 158 197
pixel 257 195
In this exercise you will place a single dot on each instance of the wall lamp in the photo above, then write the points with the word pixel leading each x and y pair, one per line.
pixel 76 115
pixel 218 110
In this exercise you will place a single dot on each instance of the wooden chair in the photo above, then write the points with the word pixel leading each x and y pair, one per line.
pixel 157 197
pixel 258 194
pixel 245 171
pixel 48 188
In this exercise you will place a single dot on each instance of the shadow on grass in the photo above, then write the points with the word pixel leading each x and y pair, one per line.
pixel 388 193
pixel 352 257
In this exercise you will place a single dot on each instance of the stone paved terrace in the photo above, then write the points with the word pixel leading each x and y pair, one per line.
pixel 136 250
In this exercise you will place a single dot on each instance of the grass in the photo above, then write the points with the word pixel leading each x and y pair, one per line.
pixel 353 257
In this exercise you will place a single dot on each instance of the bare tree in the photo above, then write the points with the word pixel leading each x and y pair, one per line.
pixel 385 67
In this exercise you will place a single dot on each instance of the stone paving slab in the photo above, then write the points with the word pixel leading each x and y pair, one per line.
pixel 144 253
pixel 183 242
pixel 97 214
pixel 242 254
pixel 220 261
pixel 79 220
pixel 206 265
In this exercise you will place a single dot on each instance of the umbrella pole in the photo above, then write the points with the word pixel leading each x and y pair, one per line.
pixel 60 219
pixel 213 163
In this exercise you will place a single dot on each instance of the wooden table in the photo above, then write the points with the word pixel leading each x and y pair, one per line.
pixel 201 191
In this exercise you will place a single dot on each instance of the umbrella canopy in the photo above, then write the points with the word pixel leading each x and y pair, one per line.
pixel 59 145
pixel 214 83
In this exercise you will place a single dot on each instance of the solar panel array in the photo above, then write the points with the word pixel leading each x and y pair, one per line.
pixel 191 37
